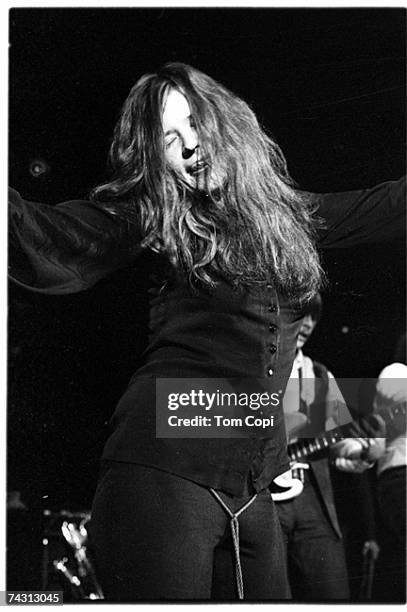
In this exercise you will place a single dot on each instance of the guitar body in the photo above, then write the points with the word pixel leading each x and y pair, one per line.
pixel 287 486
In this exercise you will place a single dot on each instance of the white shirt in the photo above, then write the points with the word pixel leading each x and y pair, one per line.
pixel 336 411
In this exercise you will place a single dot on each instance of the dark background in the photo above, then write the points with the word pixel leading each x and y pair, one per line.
pixel 328 84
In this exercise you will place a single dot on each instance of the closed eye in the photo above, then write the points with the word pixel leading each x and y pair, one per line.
pixel 170 140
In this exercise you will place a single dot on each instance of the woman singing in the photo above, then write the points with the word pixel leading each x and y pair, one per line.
pixel 201 194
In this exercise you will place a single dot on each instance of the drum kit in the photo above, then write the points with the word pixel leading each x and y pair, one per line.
pixel 66 559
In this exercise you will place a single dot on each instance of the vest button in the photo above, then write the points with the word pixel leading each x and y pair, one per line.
pixel 273 328
pixel 272 348
pixel 270 372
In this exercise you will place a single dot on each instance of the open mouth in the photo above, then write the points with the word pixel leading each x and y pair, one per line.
pixel 197 168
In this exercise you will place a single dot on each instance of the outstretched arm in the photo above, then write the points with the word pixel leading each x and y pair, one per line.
pixel 68 247
pixel 363 216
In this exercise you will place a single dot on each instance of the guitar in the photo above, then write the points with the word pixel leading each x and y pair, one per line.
pixel 286 485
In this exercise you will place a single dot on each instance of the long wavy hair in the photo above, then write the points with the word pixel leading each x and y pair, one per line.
pixel 254 227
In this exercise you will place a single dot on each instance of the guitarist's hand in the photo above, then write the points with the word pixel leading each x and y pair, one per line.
pixel 350 448
pixel 373 426
pixel 348 454
pixel 352 466
pixel 355 455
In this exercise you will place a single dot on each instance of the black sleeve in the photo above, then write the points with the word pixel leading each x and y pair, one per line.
pixel 68 247
pixel 361 217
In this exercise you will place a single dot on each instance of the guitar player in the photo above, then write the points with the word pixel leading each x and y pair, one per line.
pixel 313 402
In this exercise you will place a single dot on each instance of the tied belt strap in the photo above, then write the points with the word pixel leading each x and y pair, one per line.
pixel 234 525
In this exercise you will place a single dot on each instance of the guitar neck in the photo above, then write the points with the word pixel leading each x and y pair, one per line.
pixel 305 447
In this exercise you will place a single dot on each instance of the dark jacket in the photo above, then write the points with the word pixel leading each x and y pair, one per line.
pixel 320 467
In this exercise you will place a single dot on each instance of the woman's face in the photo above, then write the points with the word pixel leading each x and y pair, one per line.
pixel 182 150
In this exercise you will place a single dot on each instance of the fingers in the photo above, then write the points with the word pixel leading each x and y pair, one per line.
pixel 351 466
pixel 350 448
pixel 374 426
pixel 375 450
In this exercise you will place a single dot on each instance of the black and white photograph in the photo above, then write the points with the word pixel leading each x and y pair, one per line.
pixel 206 304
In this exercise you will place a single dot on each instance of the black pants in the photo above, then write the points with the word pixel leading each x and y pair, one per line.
pixel 156 536
pixel 316 556
pixel 390 583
